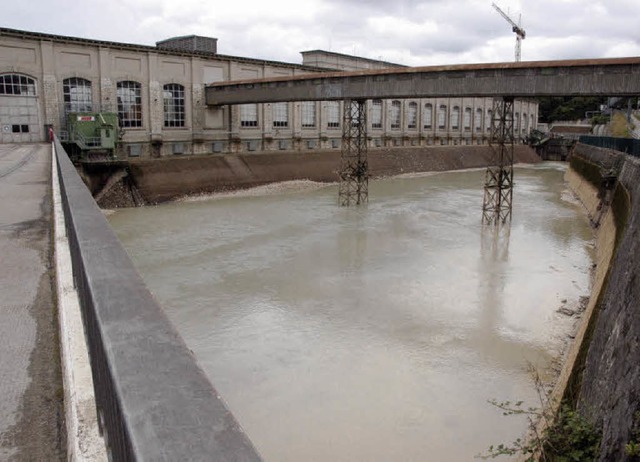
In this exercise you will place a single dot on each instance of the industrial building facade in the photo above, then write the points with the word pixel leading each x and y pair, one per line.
pixel 158 94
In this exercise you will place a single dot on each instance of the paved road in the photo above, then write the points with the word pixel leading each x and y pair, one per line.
pixel 31 408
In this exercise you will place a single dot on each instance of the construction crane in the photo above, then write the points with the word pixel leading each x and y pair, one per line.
pixel 520 33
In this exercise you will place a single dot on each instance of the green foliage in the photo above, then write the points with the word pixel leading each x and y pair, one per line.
pixel 632 448
pixel 570 437
pixel 600 119
pixel 551 109
pixel 564 436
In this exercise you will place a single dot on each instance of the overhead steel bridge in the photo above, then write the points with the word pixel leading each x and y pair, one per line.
pixel 585 77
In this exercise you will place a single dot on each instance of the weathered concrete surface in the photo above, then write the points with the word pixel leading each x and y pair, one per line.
pixel 31 413
pixel 84 442
pixel 163 179
pixel 610 386
pixel 588 77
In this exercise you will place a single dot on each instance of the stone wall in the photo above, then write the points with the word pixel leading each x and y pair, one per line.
pixel 606 376
pixel 165 178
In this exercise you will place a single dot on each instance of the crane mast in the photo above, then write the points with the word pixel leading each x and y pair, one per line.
pixel 515 27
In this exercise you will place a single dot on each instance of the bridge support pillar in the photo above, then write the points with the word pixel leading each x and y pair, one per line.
pixel 354 166
pixel 498 184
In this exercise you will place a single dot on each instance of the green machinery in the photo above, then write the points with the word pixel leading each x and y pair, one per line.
pixel 92 136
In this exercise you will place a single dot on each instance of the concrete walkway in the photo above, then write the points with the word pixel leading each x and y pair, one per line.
pixel 31 407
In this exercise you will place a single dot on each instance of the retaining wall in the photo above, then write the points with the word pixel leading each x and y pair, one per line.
pixel 162 179
pixel 605 378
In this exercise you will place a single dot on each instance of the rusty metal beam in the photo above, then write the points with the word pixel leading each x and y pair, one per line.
pixel 354 166
pixel 498 185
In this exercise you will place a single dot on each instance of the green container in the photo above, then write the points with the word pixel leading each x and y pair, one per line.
pixel 93 131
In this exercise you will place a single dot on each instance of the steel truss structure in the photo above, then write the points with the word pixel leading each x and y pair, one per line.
pixel 354 166
pixel 498 184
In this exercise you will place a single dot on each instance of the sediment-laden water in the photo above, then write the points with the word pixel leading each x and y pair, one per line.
pixel 375 333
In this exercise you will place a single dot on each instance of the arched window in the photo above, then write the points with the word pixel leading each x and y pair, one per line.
pixel 173 105
pixel 532 125
pixel 280 115
pixel 488 122
pixel 333 114
pixel 412 115
pixel 17 85
pixel 308 114
pixel 248 115
pixel 428 115
pixel 525 119
pixel 455 118
pixel 129 104
pixel 478 120
pixel 516 123
pixel 467 119
pixel 394 114
pixel 376 113
pixel 76 93
pixel 442 117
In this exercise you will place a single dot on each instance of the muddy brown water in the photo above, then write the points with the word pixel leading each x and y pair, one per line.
pixel 375 333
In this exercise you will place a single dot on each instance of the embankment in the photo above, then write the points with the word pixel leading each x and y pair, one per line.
pixel 163 179
pixel 602 374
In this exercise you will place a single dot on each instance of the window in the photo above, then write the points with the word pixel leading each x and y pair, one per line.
pixel 20 129
pixel 442 117
pixel 17 85
pixel 248 115
pixel 394 115
pixel 129 104
pixel 428 115
pixel 489 120
pixel 308 114
pixel 77 95
pixel 466 123
pixel 478 120
pixel 412 115
pixel 376 113
pixel 516 123
pixel 455 118
pixel 333 114
pixel 173 105
pixel 280 115
pixel 525 119
pixel 532 125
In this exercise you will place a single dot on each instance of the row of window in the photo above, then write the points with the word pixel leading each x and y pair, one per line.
pixel 249 116
pixel 77 97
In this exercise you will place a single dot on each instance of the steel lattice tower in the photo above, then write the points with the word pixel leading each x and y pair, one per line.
pixel 498 184
pixel 354 167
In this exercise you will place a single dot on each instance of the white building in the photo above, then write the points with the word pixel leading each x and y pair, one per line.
pixel 158 93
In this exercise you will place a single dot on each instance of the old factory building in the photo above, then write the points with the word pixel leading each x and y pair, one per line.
pixel 158 95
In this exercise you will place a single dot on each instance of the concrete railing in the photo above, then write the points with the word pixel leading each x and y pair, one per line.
pixel 153 400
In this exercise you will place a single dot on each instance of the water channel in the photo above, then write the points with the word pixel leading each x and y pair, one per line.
pixel 375 333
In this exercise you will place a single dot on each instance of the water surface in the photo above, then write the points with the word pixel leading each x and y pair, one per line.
pixel 375 333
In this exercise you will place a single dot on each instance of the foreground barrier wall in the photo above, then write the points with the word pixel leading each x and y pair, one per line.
pixel 606 376
pixel 154 402
pixel 162 179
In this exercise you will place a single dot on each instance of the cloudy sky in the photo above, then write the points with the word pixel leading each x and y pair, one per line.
pixel 410 32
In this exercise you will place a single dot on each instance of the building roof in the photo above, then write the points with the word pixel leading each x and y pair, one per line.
pixel 359 58
pixel 28 35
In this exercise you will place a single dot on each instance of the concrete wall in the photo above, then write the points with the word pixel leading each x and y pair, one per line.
pixel 163 179
pixel 606 376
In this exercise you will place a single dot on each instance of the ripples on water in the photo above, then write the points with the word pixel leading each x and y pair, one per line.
pixel 372 333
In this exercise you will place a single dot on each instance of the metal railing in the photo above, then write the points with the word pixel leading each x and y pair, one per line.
pixel 627 145
pixel 153 400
